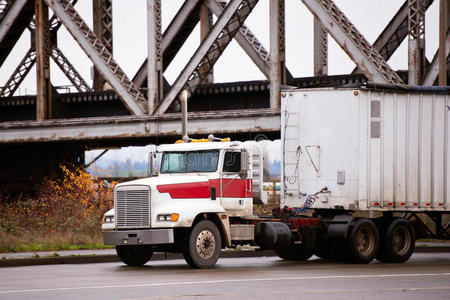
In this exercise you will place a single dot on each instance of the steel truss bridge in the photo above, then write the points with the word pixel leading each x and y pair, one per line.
pixel 41 131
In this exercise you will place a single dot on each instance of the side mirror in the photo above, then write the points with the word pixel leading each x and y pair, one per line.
pixel 244 160
pixel 152 164
pixel 244 164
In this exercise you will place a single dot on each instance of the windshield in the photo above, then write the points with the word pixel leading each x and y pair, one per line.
pixel 192 161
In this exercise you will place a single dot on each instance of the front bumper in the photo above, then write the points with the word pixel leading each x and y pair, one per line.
pixel 138 237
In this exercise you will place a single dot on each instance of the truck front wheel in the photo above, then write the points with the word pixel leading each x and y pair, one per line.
pixel 363 241
pixel 204 244
pixel 134 255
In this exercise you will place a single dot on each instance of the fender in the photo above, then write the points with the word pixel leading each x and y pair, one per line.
pixel 338 226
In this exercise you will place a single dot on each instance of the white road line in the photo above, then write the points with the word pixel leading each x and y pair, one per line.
pixel 207 282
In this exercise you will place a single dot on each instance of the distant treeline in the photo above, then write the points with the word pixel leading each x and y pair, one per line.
pixel 112 168
pixel 128 168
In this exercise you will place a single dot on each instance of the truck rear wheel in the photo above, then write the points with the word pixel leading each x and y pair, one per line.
pixel 204 244
pixel 295 252
pixel 363 241
pixel 397 244
pixel 134 255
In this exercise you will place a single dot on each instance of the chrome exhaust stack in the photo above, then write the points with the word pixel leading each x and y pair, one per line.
pixel 184 134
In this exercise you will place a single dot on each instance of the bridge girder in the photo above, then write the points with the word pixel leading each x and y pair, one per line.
pixel 222 123
pixel 191 13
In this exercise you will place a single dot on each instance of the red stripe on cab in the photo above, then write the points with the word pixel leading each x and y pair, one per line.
pixel 186 190
pixel 233 188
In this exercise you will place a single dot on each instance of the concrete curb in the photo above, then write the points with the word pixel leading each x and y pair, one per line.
pixel 86 259
pixel 431 249
pixel 107 258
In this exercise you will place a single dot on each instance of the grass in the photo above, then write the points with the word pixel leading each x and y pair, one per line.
pixel 32 242
pixel 44 247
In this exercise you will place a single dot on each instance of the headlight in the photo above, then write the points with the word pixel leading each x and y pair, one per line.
pixel 168 217
pixel 109 219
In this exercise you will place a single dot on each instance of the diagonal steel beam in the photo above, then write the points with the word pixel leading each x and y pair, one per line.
pixel 99 55
pixel 366 57
pixel 249 43
pixel 29 59
pixel 394 33
pixel 433 71
pixel 210 49
pixel 69 70
pixel 16 18
pixel 11 16
pixel 320 49
pixel 175 35
pixel 183 24
pixel 4 7
pixel 55 23
pixel 19 74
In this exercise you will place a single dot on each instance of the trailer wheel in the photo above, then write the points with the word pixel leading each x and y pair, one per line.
pixel 295 252
pixel 134 255
pixel 397 244
pixel 204 244
pixel 363 241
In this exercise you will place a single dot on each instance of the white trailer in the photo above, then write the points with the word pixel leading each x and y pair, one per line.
pixel 374 150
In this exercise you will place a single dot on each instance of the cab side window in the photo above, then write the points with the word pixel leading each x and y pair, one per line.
pixel 232 162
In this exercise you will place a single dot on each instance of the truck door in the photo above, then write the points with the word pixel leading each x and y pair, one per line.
pixel 233 186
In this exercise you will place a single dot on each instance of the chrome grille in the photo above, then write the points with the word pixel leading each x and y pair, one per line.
pixel 133 208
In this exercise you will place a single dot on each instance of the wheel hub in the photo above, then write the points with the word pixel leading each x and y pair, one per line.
pixel 365 241
pixel 206 244
pixel 401 240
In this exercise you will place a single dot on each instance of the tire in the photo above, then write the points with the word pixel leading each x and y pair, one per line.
pixel 398 242
pixel 134 255
pixel 295 253
pixel 363 241
pixel 203 248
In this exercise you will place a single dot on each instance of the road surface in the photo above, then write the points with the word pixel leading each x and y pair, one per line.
pixel 424 276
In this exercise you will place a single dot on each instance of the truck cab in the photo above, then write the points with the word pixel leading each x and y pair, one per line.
pixel 187 205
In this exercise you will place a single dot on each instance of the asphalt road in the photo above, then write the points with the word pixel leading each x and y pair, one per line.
pixel 424 276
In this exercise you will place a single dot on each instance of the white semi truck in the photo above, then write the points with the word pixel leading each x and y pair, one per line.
pixel 358 166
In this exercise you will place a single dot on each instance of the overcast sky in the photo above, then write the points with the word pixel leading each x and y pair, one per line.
pixel 370 17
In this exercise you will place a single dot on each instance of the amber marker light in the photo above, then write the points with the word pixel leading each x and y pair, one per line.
pixel 174 217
